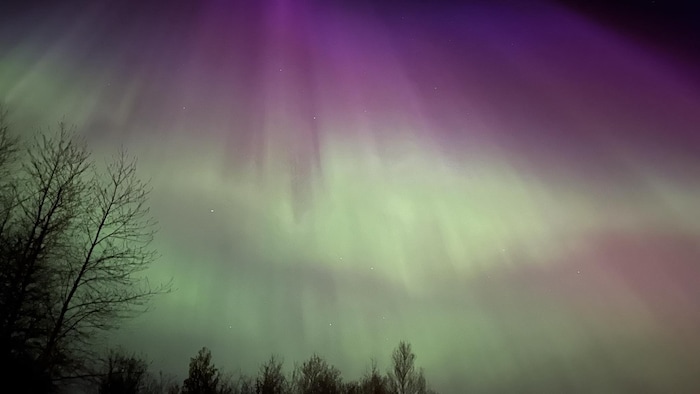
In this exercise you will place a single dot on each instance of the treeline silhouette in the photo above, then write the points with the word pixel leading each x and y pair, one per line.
pixel 75 239
pixel 127 373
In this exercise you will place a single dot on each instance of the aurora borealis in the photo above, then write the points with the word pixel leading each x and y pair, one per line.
pixel 513 189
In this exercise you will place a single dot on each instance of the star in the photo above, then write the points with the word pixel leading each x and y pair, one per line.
pixel 211 210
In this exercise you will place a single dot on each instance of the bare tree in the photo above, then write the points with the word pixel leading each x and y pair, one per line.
pixel 8 142
pixel 227 384
pixel 99 273
pixel 8 246
pixel 403 377
pixel 123 373
pixel 9 146
pixel 271 379
pixel 48 195
pixel 75 242
pixel 352 387
pixel 162 384
pixel 373 382
pixel 246 384
pixel 316 376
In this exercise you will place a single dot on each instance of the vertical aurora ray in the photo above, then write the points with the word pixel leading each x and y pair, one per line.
pixel 513 190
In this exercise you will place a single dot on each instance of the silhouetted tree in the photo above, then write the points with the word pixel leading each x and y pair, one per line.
pixel 316 376
pixel 74 243
pixel 37 231
pixel 17 352
pixel 99 280
pixel 174 389
pixel 162 384
pixel 227 384
pixel 373 382
pixel 9 147
pixel 352 388
pixel 246 385
pixel 271 379
pixel 203 376
pixel 8 200
pixel 124 374
pixel 403 377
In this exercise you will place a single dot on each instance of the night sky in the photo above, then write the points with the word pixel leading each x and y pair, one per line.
pixel 513 187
